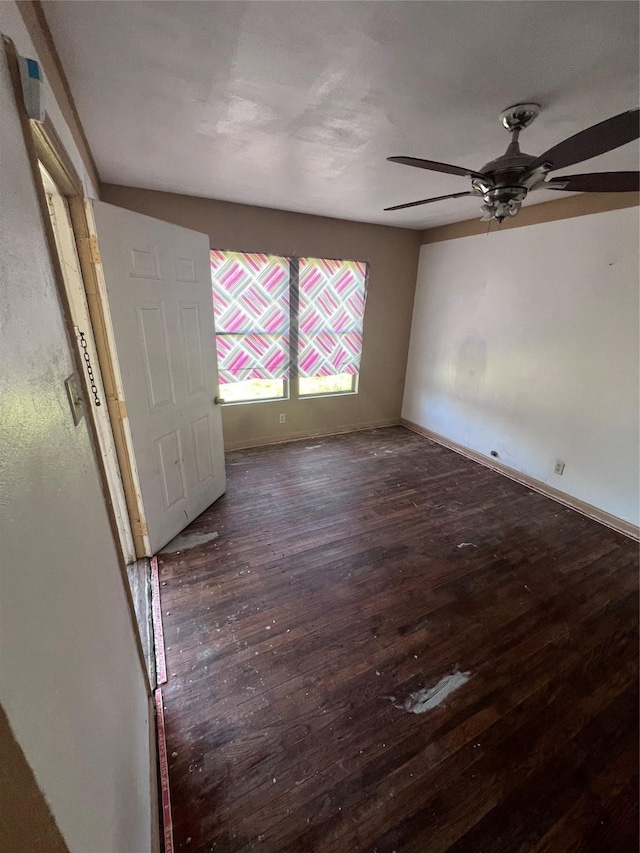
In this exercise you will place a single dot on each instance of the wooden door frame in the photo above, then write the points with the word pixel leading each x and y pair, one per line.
pixel 50 152
pixel 83 328
pixel 43 145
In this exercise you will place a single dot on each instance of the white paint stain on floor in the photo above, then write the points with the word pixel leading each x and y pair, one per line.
pixel 184 541
pixel 430 697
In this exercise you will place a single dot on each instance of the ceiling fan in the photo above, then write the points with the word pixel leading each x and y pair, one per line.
pixel 504 183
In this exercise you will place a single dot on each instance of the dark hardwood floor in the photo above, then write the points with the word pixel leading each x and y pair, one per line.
pixel 351 576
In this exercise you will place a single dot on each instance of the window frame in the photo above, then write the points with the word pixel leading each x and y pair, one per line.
pixel 291 385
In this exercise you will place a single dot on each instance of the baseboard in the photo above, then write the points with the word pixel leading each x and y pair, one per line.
pixel 612 521
pixel 306 436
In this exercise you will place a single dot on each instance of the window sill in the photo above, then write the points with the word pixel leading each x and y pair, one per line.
pixel 257 400
pixel 300 398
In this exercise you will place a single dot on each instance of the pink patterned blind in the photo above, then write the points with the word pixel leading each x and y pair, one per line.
pixel 332 297
pixel 251 306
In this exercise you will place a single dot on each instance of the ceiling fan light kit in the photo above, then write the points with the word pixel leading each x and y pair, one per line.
pixel 503 183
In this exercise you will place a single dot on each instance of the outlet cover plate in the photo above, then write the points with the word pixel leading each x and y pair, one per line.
pixel 558 468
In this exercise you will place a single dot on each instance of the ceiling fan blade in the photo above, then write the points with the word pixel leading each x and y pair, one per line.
pixel 434 166
pixel 597 182
pixel 595 140
pixel 428 200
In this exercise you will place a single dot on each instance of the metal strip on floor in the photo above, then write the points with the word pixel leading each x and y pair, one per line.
pixel 167 821
pixel 161 661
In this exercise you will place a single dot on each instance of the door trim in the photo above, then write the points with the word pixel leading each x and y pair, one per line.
pixel 50 152
pixel 75 285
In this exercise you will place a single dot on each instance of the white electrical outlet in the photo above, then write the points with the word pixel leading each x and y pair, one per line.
pixel 558 468
pixel 283 418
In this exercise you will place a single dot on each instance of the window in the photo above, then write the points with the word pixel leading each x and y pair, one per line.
pixel 281 319
pixel 330 314
pixel 251 307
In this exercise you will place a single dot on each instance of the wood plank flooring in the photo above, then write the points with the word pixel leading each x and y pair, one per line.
pixel 350 573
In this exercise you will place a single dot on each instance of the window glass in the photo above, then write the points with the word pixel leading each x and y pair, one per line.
pixel 343 383
pixel 253 389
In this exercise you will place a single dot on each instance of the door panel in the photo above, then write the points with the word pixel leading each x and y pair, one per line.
pixel 158 284
pixel 144 264
pixel 202 442
pixel 190 326
pixel 155 347
pixel 171 468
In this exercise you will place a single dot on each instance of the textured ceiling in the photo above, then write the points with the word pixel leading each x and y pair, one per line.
pixel 296 105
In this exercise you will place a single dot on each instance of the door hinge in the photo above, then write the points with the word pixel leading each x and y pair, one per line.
pixel 89 246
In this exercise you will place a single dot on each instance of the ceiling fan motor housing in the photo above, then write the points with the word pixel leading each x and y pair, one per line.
pixel 509 179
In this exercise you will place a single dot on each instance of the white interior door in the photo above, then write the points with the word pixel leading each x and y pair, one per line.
pixel 158 285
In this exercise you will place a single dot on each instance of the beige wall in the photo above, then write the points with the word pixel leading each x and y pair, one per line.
pixel 393 255
pixel 71 680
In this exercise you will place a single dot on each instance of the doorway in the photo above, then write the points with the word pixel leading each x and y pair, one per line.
pixel 92 378
pixel 139 316
pixel 139 319
pixel 96 409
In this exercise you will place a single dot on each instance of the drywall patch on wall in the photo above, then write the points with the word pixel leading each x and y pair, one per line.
pixel 526 343
pixel 430 697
